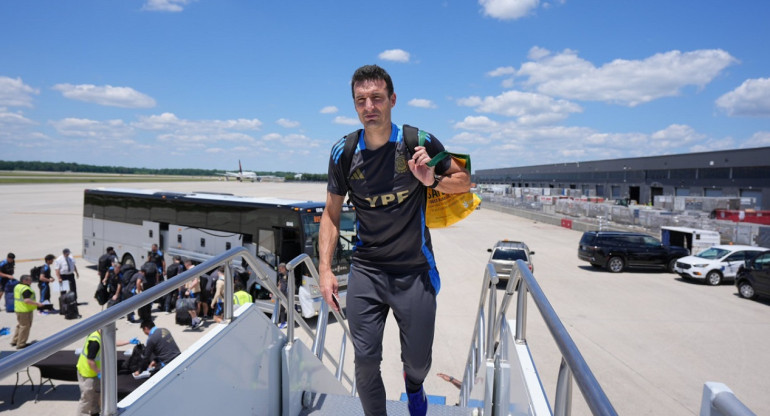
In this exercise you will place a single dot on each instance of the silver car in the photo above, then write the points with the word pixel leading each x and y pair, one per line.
pixel 504 255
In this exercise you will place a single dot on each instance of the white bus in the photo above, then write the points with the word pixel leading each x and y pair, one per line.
pixel 201 225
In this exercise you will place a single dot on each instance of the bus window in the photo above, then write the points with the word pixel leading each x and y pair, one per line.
pixel 311 227
pixel 266 246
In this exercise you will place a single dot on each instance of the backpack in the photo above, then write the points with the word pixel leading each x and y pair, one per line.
pixel 150 272
pixel 411 138
pixel 101 295
pixel 104 263
pixel 35 272
pixel 128 282
pixel 135 361
pixel 174 269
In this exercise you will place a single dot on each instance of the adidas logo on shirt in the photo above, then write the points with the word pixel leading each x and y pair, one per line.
pixel 357 175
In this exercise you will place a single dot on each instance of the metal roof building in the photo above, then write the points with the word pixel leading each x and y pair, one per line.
pixel 725 173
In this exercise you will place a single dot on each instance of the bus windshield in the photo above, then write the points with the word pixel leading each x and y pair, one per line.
pixel 341 261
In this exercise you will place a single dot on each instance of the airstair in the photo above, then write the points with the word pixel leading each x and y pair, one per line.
pixel 259 369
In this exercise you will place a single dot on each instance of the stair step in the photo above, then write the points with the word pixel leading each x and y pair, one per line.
pixel 330 404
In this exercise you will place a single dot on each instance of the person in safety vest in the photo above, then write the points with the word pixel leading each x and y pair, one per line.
pixel 24 305
pixel 89 369
pixel 241 297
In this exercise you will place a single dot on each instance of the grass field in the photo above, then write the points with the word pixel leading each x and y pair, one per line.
pixel 22 177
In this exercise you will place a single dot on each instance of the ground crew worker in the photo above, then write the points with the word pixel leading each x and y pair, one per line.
pixel 89 368
pixel 241 297
pixel 160 348
pixel 24 305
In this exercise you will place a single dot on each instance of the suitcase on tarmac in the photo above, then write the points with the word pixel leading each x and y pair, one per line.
pixel 10 302
pixel 183 308
pixel 68 306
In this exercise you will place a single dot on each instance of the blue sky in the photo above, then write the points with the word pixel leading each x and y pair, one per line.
pixel 204 83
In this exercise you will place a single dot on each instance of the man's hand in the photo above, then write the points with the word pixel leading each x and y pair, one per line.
pixel 329 288
pixel 418 166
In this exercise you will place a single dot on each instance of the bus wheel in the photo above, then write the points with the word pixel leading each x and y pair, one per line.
pixel 128 260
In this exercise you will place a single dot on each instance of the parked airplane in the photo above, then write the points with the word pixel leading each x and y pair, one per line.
pixel 240 175
pixel 250 176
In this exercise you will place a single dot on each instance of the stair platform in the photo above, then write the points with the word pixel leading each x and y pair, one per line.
pixel 330 404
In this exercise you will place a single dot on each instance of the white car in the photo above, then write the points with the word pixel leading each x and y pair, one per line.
pixel 716 263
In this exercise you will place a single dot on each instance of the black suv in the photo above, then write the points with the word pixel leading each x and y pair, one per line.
pixel 617 250
pixel 754 278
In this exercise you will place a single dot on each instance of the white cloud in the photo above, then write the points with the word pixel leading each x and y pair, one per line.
pixel 395 55
pixel 536 52
pixel 527 107
pixel 93 129
pixel 15 93
pixel 508 9
pixel 421 103
pixel 502 71
pixel 9 120
pixel 215 150
pixel 627 82
pixel 348 121
pixel 170 122
pixel 478 123
pixel 165 5
pixel 329 109
pixel 674 136
pixel 289 124
pixel 712 145
pixel 125 97
pixel 752 98
pixel 16 130
pixel 759 139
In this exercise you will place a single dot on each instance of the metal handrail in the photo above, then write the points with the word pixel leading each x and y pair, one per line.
pixel 479 343
pixel 319 338
pixel 105 320
pixel 494 346
pixel 573 364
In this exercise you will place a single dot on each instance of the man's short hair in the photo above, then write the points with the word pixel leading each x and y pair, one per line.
pixel 66 251
pixel 25 278
pixel 178 258
pixel 237 286
pixel 50 257
pixel 147 323
pixel 371 73
pixel 11 256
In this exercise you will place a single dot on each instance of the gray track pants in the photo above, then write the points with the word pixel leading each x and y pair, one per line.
pixel 371 294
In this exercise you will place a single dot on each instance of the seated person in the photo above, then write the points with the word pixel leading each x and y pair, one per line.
pixel 160 348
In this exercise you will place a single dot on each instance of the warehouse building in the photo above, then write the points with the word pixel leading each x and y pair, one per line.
pixel 743 173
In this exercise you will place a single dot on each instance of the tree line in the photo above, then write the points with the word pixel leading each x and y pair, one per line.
pixel 37 166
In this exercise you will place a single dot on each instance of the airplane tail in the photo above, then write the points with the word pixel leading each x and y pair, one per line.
pixel 240 169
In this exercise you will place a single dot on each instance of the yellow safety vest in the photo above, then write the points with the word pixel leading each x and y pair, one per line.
pixel 19 304
pixel 83 368
pixel 242 297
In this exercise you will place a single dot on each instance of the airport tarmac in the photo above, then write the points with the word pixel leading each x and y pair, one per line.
pixel 650 338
